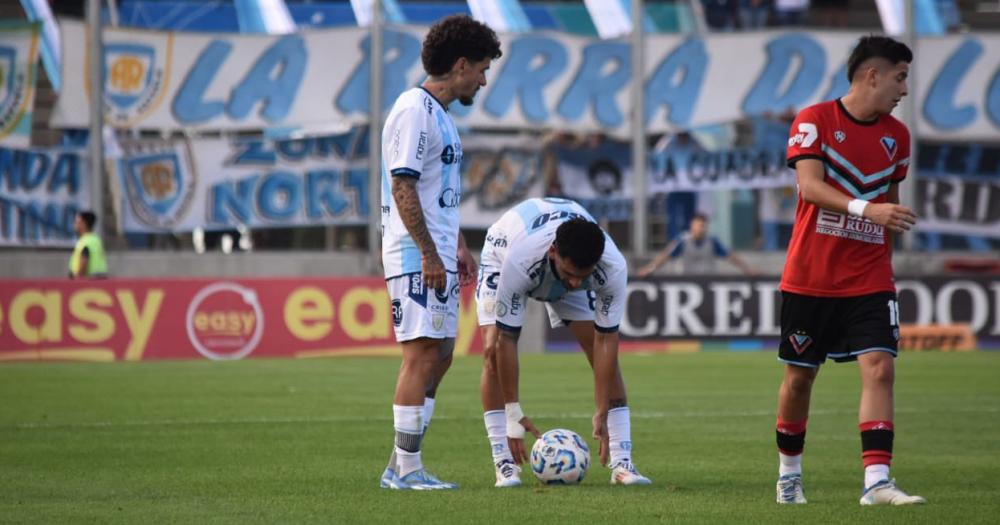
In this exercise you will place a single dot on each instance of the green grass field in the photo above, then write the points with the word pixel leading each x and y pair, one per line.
pixel 303 441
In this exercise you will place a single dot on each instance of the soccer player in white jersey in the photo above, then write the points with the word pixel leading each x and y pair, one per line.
pixel 423 252
pixel 553 251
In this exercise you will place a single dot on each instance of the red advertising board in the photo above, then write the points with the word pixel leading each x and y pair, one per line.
pixel 219 319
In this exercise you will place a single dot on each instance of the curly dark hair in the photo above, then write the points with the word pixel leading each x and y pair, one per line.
pixel 455 37
pixel 580 241
pixel 873 46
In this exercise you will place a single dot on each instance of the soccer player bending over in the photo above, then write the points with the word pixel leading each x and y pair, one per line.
pixel 423 253
pixel 838 297
pixel 552 250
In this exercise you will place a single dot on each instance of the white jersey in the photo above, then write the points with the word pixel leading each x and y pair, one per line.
pixel 519 243
pixel 420 141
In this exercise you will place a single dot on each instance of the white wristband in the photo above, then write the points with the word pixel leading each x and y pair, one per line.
pixel 857 207
pixel 514 416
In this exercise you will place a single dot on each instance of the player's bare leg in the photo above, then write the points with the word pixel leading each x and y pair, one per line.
pixel 421 358
pixel 875 420
pixel 790 431
pixel 507 470
pixel 445 353
pixel 623 472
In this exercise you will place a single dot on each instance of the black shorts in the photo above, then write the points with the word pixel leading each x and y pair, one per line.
pixel 842 328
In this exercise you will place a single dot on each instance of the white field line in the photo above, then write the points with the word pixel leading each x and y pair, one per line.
pixel 477 417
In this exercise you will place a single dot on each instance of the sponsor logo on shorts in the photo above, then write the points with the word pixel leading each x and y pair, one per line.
pixel 501 309
pixel 438 321
pixel 397 312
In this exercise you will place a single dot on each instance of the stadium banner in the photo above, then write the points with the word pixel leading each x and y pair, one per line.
pixel 958 190
pixel 497 173
pixel 693 313
pixel 41 191
pixel 163 80
pixel 604 171
pixel 145 319
pixel 19 43
pixel 219 183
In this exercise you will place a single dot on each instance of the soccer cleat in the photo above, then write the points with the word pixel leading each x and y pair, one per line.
pixel 789 489
pixel 624 473
pixel 508 474
pixel 886 492
pixel 391 481
pixel 421 480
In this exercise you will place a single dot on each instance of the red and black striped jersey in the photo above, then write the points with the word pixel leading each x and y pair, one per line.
pixel 832 254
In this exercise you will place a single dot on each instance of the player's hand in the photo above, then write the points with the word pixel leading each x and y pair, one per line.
pixel 434 275
pixel 515 439
pixel 467 267
pixel 643 272
pixel 601 435
pixel 896 217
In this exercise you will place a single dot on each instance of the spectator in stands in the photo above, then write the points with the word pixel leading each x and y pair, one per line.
pixel 790 12
pixel 720 15
pixel 697 252
pixel 88 260
pixel 754 14
pixel 674 152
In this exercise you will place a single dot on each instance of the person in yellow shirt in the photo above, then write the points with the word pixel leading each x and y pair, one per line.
pixel 88 260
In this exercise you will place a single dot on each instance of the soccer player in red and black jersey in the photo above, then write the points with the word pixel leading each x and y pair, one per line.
pixel 838 294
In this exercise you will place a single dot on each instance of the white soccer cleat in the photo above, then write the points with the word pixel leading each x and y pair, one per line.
pixel 416 480
pixel 886 492
pixel 508 474
pixel 624 473
pixel 789 489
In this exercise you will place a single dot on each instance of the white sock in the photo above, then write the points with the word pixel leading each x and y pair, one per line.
pixel 619 435
pixel 428 411
pixel 875 473
pixel 789 464
pixel 496 431
pixel 409 424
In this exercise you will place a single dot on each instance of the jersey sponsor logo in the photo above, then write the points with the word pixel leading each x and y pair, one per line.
pixel 515 304
pixel 394 150
pixel 397 312
pixel 840 225
pixel 421 145
pixel 840 136
pixel 606 303
pixel 501 309
pixel 889 145
pixel 449 198
pixel 498 241
pixel 558 215
pixel 800 341
pixel 807 134
pixel 428 105
pixel 448 155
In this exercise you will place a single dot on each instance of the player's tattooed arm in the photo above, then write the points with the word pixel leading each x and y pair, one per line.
pixel 404 193
pixel 411 212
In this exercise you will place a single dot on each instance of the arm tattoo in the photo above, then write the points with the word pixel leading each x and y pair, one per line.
pixel 404 193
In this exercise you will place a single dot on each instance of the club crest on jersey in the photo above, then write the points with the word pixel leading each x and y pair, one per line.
pixel 800 341
pixel 840 136
pixel 889 144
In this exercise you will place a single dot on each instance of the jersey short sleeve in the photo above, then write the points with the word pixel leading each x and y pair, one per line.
pixel 805 141
pixel 903 165
pixel 512 289
pixel 611 276
pixel 409 132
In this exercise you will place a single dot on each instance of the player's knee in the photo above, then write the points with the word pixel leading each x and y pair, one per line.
pixel 881 372
pixel 799 384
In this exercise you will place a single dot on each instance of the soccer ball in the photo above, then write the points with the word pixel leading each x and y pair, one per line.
pixel 560 456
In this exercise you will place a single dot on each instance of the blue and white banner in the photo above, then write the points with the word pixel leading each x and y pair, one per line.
pixel 170 186
pixel 544 80
pixel 958 190
pixel 41 191
pixel 18 63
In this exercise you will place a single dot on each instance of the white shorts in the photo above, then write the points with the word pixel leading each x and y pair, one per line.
pixel 574 306
pixel 417 312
